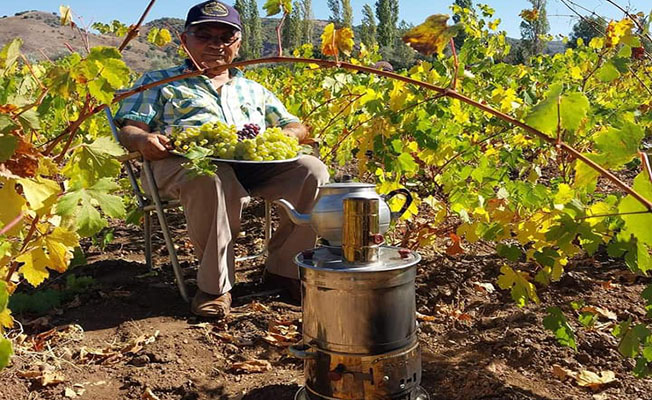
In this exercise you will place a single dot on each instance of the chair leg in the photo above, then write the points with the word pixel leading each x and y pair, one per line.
pixel 268 225
pixel 160 212
pixel 147 228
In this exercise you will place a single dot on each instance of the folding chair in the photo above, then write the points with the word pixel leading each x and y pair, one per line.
pixel 154 203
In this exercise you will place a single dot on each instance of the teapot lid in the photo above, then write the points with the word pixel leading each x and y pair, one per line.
pixel 348 185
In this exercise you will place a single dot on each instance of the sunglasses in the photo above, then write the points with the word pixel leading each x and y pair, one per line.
pixel 224 39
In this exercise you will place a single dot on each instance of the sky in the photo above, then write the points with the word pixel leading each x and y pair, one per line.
pixel 128 11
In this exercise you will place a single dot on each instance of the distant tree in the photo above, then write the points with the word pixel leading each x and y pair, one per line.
pixel 347 14
pixel 368 27
pixel 587 28
pixel 387 14
pixel 292 34
pixel 459 39
pixel 531 29
pixel 336 16
pixel 243 8
pixel 307 24
pixel 256 30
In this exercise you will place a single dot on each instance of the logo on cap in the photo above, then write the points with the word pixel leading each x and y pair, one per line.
pixel 215 9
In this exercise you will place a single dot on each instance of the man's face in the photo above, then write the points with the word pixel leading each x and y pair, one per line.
pixel 212 44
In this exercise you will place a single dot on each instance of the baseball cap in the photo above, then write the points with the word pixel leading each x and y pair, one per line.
pixel 213 11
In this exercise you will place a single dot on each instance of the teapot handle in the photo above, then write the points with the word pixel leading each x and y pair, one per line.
pixel 408 201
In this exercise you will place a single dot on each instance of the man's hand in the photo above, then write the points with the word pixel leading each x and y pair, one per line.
pixel 154 146
pixel 136 136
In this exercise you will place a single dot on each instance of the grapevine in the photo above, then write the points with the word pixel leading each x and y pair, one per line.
pixel 515 154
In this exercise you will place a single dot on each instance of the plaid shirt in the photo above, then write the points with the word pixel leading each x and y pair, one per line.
pixel 194 101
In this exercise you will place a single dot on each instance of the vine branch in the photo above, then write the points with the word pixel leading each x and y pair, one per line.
pixel 134 29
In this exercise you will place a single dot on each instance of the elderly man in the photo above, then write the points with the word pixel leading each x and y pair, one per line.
pixel 213 205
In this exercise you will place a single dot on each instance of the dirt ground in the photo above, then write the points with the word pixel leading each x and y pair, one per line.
pixel 131 336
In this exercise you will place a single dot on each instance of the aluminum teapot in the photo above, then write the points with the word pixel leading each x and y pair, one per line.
pixel 327 215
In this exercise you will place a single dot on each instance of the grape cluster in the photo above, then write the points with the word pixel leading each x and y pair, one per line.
pixel 226 142
pixel 249 131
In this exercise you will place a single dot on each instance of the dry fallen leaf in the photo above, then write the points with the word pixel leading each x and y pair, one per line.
pixel 484 287
pixel 149 395
pixel 603 312
pixel 251 366
pixel 585 378
pixel 256 306
pixel 455 248
pixel 426 318
pixel 593 380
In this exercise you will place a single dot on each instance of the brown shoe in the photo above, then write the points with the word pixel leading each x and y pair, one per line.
pixel 210 305
pixel 292 286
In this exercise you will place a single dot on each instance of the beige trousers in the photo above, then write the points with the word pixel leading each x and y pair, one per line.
pixel 213 207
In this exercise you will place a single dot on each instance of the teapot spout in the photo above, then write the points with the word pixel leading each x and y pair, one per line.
pixel 296 217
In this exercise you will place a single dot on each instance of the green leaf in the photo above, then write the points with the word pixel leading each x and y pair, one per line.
pixel 543 116
pixel 5 352
pixel 630 343
pixel 572 109
pixel 91 162
pixel 80 204
pixel 273 7
pixel 101 90
pixel 608 72
pixel 407 163
pixel 587 319
pixel 557 323
pixel 638 224
pixel 10 53
pixel 30 119
pixel 7 146
pixel 647 295
pixel 512 253
pixel 4 295
pixel 620 145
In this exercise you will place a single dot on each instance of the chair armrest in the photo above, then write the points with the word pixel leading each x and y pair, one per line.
pixel 135 155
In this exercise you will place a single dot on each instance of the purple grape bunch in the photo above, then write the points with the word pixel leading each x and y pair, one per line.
pixel 249 131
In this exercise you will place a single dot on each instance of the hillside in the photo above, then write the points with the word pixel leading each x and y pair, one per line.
pixel 43 36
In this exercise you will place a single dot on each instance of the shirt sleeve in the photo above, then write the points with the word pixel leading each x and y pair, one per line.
pixel 275 112
pixel 141 107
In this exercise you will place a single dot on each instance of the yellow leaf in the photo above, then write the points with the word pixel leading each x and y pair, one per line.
pixel 432 35
pixel 12 204
pixel 66 15
pixel 617 31
pixel 530 15
pixel 596 43
pixel 41 193
pixel 6 321
pixel 60 245
pixel 594 381
pixel 576 73
pixel 460 115
pixel 564 195
pixel 398 96
pixel 334 41
pixel 469 232
pixel 34 268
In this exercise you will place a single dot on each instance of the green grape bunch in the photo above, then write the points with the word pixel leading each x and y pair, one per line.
pixel 223 141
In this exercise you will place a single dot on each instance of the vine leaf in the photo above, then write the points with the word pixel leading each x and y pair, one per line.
pixel 66 15
pixel 608 72
pixel 273 7
pixel 41 193
pixel 60 245
pixel 572 110
pixel 556 322
pixel 530 15
pixel 159 37
pixel 5 352
pixel 7 146
pixel 522 290
pixel 93 161
pixel 80 204
pixel 34 268
pixel 619 146
pixel 12 203
pixel 9 54
pixel 334 41
pixel 432 35
pixel 638 225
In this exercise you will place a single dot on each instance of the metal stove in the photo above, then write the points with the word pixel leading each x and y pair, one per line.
pixel 359 314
